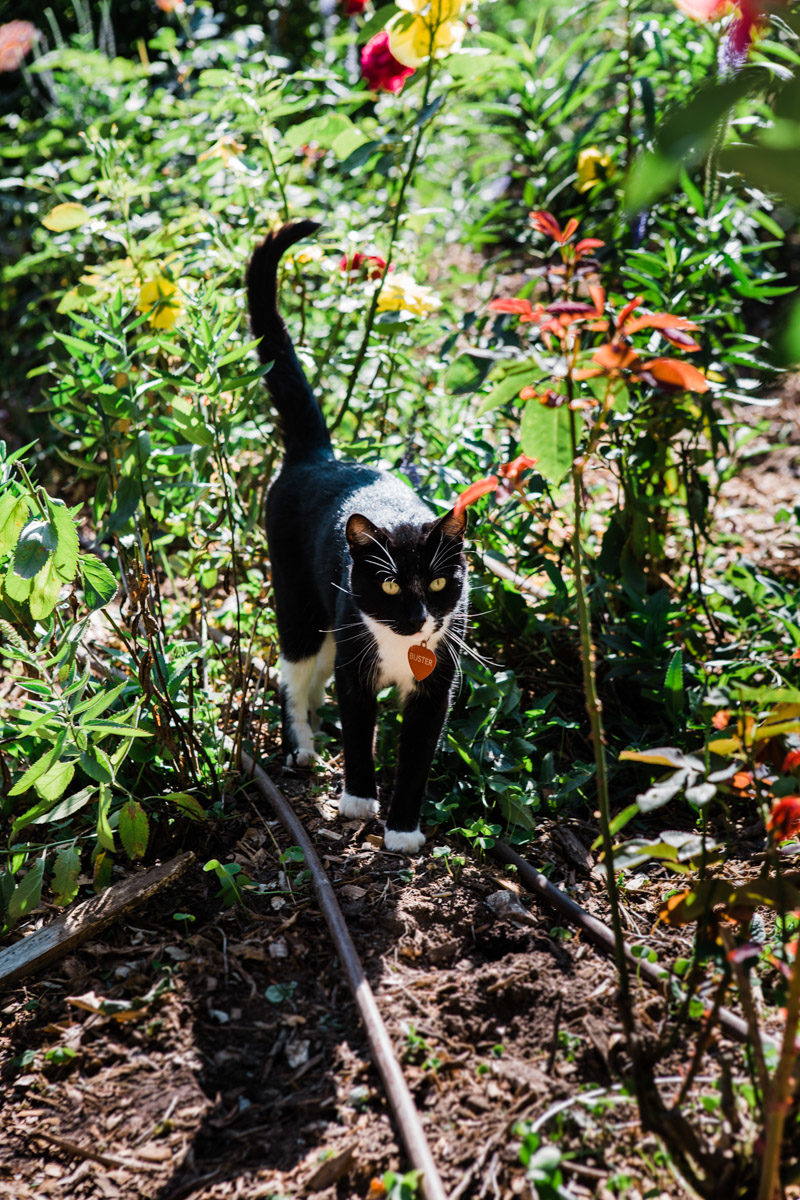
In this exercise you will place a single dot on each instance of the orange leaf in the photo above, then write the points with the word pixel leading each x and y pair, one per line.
pixel 512 306
pixel 598 295
pixel 615 355
pixel 571 226
pixel 675 374
pixel 628 309
pixel 658 321
pixel 474 492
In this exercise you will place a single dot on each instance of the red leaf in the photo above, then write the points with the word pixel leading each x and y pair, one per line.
pixel 513 470
pixel 474 492
pixel 571 226
pixel 545 222
pixel 586 244
pixel 520 307
pixel 672 373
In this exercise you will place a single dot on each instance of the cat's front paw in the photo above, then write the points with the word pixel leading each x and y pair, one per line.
pixel 304 756
pixel 359 807
pixel 408 841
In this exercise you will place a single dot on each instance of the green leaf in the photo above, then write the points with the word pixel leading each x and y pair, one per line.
pixel 187 803
pixel 663 756
pixel 99 585
pixel 92 706
pixel 44 591
pixel 14 515
pixel 66 870
pixel 65 557
pixel 771 168
pixel 105 835
pixel 134 829
pixel 95 763
pixel 27 893
pixel 39 767
pixel 65 216
pixel 507 389
pixel 126 501
pixel 36 543
pixel 545 436
pixel 53 784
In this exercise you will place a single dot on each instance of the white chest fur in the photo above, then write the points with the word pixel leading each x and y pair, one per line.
pixel 392 664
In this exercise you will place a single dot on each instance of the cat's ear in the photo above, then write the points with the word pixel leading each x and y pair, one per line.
pixel 452 525
pixel 360 532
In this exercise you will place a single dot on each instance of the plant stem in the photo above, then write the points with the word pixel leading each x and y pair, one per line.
pixel 778 1096
pixel 594 710
pixel 398 209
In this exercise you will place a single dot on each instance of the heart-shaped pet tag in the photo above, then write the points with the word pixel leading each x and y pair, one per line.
pixel 421 660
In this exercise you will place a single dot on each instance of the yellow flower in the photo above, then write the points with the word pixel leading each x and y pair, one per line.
pixel 227 148
pixel 425 28
pixel 158 298
pixel 593 167
pixel 400 293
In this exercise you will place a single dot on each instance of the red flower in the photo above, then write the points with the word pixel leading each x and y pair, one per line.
pixel 16 40
pixel 743 28
pixel 354 8
pixel 379 67
pixel 784 820
pixel 370 265
pixel 791 762
pixel 474 492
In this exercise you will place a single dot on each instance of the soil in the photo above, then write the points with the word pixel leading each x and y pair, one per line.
pixel 237 1066
pixel 234 1063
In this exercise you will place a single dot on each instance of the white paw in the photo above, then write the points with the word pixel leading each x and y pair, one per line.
pixel 304 756
pixel 404 842
pixel 357 806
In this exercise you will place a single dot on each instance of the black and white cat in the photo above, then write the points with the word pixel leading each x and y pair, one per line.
pixel 362 571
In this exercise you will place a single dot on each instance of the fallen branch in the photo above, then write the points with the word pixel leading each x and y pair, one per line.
pixel 85 920
pixel 602 936
pixel 397 1092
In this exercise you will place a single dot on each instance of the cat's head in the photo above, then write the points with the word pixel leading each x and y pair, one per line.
pixel 403 576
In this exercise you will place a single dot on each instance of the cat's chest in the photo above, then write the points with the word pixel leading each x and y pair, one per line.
pixel 390 665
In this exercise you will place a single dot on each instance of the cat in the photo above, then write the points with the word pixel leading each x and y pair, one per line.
pixel 362 571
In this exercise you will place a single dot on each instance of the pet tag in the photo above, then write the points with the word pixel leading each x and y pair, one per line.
pixel 421 660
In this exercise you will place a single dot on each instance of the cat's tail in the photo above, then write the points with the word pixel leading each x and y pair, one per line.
pixel 302 424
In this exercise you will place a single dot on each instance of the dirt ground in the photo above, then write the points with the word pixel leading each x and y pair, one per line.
pixel 234 1064
pixel 238 1067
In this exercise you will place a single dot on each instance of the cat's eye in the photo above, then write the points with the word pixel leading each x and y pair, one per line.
pixel 437 584
pixel 391 587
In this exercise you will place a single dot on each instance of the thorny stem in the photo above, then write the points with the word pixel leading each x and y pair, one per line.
pixel 398 211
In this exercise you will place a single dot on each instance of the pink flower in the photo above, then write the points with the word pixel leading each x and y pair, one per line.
pixel 371 266
pixel 379 67
pixel 16 40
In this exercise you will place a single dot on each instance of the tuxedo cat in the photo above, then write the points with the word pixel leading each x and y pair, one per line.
pixel 362 571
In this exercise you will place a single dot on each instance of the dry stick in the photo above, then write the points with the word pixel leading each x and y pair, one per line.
pixel 602 936
pixel 397 1091
pixel 56 939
